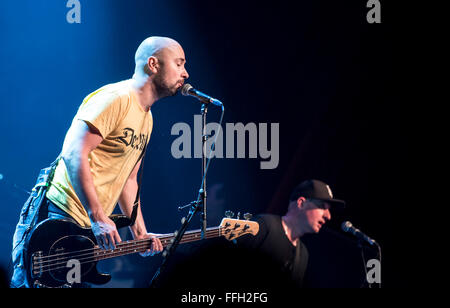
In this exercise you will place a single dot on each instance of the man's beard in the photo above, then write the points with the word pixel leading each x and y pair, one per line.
pixel 162 89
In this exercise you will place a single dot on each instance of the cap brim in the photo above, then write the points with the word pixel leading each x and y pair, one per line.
pixel 335 202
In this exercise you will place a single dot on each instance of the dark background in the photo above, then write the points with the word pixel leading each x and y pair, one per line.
pixel 329 78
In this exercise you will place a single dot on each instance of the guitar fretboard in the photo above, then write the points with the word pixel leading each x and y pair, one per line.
pixel 135 246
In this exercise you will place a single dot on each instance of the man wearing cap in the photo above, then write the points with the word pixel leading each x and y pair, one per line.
pixel 280 250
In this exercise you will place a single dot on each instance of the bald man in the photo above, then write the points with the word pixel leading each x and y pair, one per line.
pixel 104 147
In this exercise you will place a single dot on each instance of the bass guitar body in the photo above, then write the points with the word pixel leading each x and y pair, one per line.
pixel 60 253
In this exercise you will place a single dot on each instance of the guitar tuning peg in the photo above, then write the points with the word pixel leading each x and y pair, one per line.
pixel 229 214
pixel 248 216
pixel 239 215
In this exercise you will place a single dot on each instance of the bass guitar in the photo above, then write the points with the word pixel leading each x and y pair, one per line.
pixel 62 254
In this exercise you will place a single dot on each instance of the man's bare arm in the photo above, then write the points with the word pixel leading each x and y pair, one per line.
pixel 126 203
pixel 81 139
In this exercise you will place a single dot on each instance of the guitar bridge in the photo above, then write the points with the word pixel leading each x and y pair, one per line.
pixel 36 264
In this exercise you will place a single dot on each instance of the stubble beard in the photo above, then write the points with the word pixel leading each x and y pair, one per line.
pixel 162 89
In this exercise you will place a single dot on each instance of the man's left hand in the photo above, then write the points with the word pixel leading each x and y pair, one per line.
pixel 156 246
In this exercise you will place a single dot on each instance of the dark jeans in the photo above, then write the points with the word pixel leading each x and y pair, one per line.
pixel 47 210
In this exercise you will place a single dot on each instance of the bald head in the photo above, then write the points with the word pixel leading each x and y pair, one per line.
pixel 153 46
pixel 160 66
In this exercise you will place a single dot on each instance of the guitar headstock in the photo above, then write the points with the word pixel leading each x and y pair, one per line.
pixel 233 228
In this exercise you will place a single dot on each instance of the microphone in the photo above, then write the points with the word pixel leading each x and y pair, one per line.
pixel 348 227
pixel 188 90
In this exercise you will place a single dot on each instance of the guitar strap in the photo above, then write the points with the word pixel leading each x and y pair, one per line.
pixel 46 176
pixel 140 171
pixel 50 171
pixel 32 209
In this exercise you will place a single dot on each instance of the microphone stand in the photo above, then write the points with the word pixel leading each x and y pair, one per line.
pixel 365 281
pixel 195 206
pixel 204 111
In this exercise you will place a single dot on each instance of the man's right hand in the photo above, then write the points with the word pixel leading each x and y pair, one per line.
pixel 105 232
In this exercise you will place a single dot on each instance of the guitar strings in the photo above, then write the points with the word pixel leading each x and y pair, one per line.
pixel 96 259
pixel 97 248
pixel 132 242
pixel 126 246
pixel 60 264
pixel 90 257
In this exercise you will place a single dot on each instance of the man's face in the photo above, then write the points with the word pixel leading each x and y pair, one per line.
pixel 171 74
pixel 315 213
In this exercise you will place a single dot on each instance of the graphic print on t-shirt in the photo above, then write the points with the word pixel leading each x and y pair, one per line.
pixel 129 138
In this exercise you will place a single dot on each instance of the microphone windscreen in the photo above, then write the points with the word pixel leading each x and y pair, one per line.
pixel 185 89
pixel 346 225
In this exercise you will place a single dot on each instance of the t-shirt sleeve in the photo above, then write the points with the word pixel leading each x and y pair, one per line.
pixel 102 110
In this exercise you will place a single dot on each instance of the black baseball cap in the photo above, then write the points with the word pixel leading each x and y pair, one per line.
pixel 315 189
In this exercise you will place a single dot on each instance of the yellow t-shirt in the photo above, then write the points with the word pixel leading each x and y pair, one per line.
pixel 125 127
